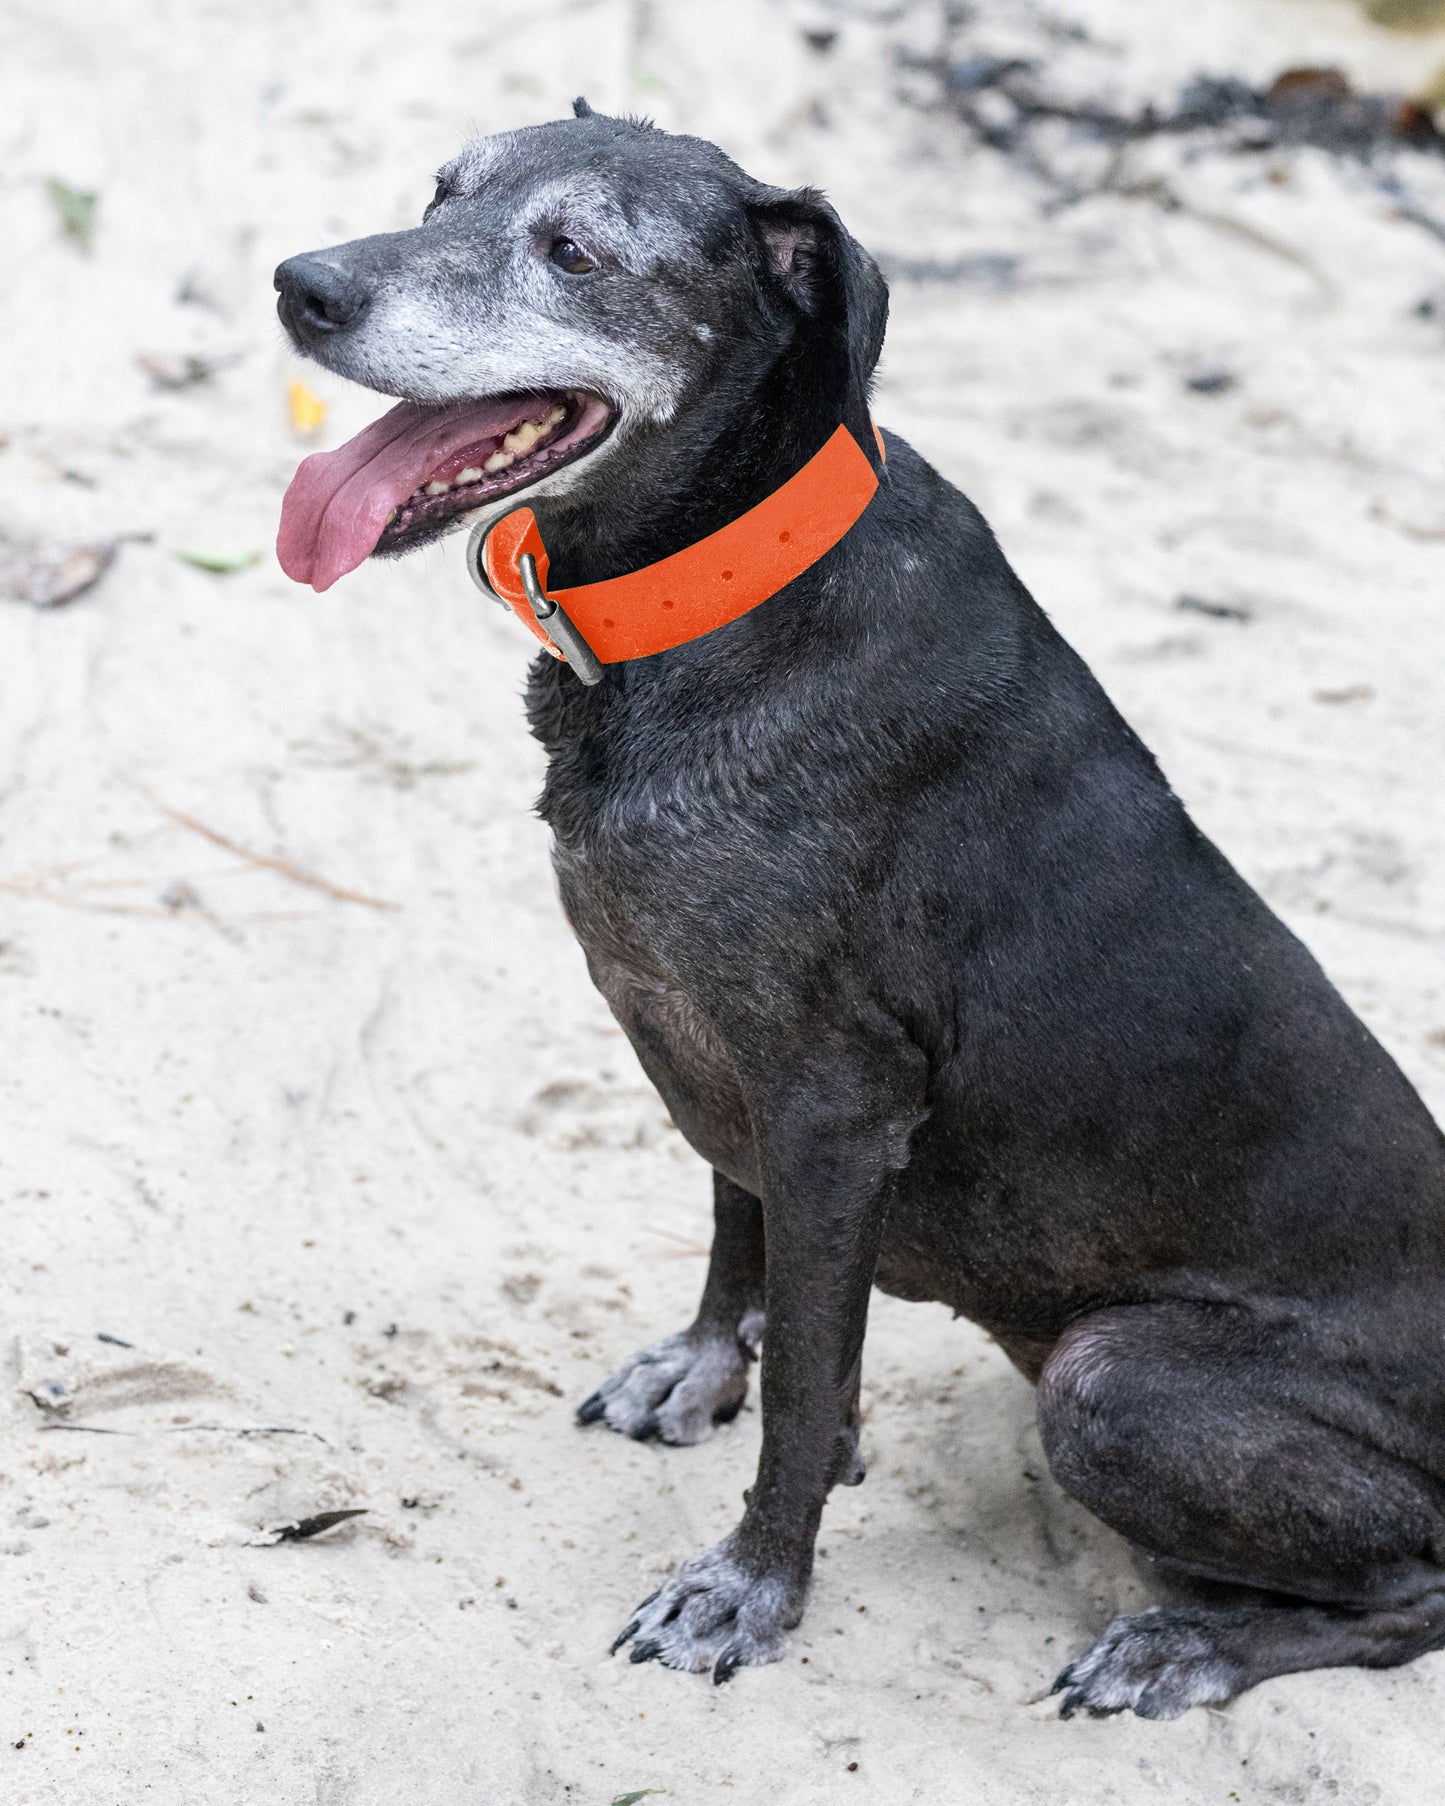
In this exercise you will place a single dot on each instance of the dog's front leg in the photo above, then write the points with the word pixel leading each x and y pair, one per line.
pixel 679 1388
pixel 828 1155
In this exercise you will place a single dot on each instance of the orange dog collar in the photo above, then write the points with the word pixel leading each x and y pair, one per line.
pixel 682 597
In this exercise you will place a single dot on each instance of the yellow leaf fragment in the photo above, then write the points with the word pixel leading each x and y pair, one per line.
pixel 308 410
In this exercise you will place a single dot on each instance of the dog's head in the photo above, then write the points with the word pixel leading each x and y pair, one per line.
pixel 574 291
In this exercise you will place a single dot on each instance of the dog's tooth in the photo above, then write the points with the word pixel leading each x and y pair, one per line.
pixel 472 474
pixel 437 488
pixel 499 460
pixel 522 438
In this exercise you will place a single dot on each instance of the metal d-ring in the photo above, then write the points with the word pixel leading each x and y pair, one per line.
pixel 549 612
pixel 560 630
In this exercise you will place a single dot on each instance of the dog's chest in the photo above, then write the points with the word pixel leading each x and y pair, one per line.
pixel 678 1048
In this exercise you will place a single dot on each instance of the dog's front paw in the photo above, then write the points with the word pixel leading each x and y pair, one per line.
pixel 676 1389
pixel 715 1612
pixel 1158 1664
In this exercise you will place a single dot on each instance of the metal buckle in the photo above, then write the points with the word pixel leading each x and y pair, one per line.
pixel 562 632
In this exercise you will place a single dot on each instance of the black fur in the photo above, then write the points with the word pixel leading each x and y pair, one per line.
pixel 935 971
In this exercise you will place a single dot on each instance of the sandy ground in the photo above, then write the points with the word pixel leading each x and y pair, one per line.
pixel 374 1195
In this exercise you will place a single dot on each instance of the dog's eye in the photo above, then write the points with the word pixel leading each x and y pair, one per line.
pixel 444 192
pixel 570 257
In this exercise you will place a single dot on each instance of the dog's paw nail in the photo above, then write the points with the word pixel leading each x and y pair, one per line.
pixel 1062 1681
pixel 591 1409
pixel 646 1652
pixel 647 1430
pixel 626 1634
pixel 728 1664
pixel 1076 1701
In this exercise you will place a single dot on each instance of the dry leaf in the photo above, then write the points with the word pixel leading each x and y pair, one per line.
pixel 47 576
pixel 1322 84
pixel 303 1529
pixel 175 370
pixel 308 410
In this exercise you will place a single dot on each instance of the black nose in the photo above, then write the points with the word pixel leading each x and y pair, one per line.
pixel 317 299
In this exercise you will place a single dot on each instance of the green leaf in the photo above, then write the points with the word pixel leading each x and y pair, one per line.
pixel 631 1799
pixel 76 207
pixel 219 564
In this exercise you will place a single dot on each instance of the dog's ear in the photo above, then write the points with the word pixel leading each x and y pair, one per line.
pixel 580 108
pixel 829 276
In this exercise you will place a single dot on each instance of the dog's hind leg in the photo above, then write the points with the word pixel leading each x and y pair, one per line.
pixel 679 1388
pixel 1224 1449
pixel 1160 1662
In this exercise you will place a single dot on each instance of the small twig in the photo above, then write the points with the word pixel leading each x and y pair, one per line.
pixel 1425 535
pixel 83 1429
pixel 229 1429
pixel 1264 241
pixel 1416 216
pixel 186 1429
pixel 684 1249
pixel 51 872
pixel 266 861
pixel 40 895
pixel 1406 208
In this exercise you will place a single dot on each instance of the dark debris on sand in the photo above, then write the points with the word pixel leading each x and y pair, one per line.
pixel 1075 145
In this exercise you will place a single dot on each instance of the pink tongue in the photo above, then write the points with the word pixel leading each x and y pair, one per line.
pixel 340 501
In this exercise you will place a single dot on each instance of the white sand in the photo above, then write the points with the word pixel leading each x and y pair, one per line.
pixel 252 1135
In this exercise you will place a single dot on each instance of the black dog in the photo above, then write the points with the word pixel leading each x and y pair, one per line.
pixel 903 921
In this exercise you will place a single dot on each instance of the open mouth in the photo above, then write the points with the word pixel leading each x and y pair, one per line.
pixel 407 477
